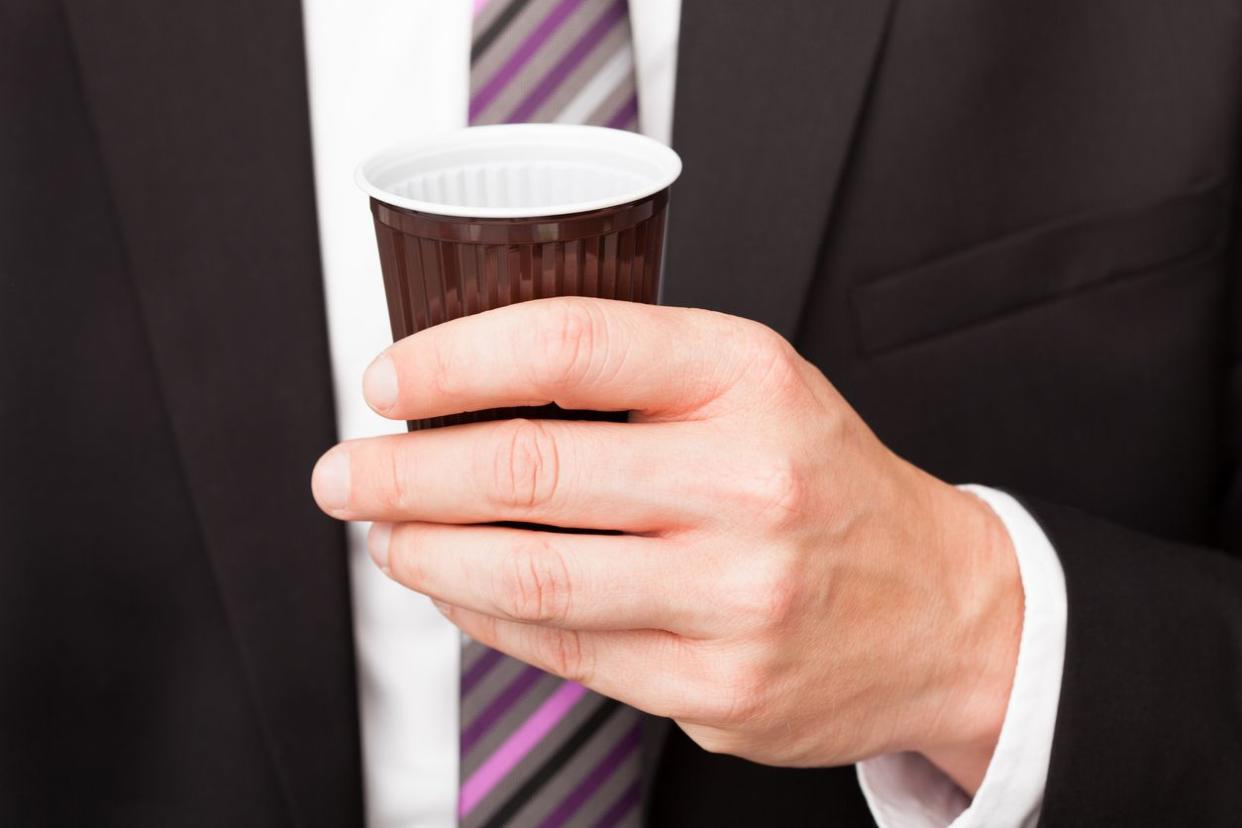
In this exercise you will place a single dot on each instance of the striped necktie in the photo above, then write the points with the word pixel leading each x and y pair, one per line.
pixel 537 750
pixel 568 61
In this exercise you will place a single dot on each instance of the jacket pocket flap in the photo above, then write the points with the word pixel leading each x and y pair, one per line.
pixel 1033 266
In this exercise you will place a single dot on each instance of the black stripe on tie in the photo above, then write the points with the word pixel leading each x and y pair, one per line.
pixel 554 763
pixel 489 35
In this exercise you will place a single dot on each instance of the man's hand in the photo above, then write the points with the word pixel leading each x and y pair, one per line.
pixel 783 586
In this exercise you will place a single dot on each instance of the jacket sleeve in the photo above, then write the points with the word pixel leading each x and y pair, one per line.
pixel 1149 725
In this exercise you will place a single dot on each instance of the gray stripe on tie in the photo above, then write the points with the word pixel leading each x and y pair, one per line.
pixel 505 43
pixel 588 93
pixel 509 698
pixel 588 758
pixel 476 661
pixel 489 689
pixel 557 44
pixel 504 726
pixel 613 15
pixel 616 44
pixel 627 116
pixel 626 811
pixel 490 23
pixel 531 763
pixel 609 105
pixel 621 780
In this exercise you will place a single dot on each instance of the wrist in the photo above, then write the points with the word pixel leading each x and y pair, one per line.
pixel 982 632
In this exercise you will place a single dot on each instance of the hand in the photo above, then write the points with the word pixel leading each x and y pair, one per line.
pixel 783 586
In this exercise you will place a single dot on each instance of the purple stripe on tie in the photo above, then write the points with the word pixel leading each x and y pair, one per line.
pixel 500 705
pixel 478 670
pixel 488 92
pixel 519 743
pixel 622 116
pixel 598 776
pixel 568 62
pixel 625 802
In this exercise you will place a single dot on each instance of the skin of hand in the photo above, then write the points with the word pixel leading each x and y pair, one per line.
pixel 777 581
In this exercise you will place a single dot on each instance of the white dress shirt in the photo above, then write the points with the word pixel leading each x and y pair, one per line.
pixel 384 71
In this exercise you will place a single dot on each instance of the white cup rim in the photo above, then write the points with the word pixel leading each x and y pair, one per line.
pixel 660 163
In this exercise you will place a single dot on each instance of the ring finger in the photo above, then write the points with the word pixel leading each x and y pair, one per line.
pixel 571 581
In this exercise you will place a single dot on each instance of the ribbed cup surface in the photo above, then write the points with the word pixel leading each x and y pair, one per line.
pixel 438 268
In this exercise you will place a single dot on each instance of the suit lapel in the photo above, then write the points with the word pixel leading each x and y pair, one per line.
pixel 201 115
pixel 768 96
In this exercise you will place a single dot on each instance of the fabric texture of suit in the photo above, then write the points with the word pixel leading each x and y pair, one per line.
pixel 1005 230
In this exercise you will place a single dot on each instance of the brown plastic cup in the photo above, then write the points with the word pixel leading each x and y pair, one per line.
pixel 489 216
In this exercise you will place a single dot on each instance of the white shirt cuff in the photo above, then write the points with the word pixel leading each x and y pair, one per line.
pixel 904 790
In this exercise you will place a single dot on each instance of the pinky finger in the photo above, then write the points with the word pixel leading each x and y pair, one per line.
pixel 646 669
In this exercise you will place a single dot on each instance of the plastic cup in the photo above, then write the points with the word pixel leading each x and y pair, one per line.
pixel 488 216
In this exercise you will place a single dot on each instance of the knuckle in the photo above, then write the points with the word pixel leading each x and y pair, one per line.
pixel 765 601
pixel 568 335
pixel 526 466
pixel 566 656
pixel 744 701
pixel 738 697
pixel 400 489
pixel 782 596
pixel 768 341
pixel 776 592
pixel 403 560
pixel 484 629
pixel 776 494
pixel 775 363
pixel 443 373
pixel 536 587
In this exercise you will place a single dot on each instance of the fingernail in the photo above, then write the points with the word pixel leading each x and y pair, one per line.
pixel 379 384
pixel 377 544
pixel 330 480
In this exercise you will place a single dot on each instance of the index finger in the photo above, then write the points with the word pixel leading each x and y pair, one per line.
pixel 580 353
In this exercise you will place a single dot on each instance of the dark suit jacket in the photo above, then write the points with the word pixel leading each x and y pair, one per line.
pixel 1003 228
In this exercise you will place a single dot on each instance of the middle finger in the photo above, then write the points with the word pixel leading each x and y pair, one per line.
pixel 635 477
